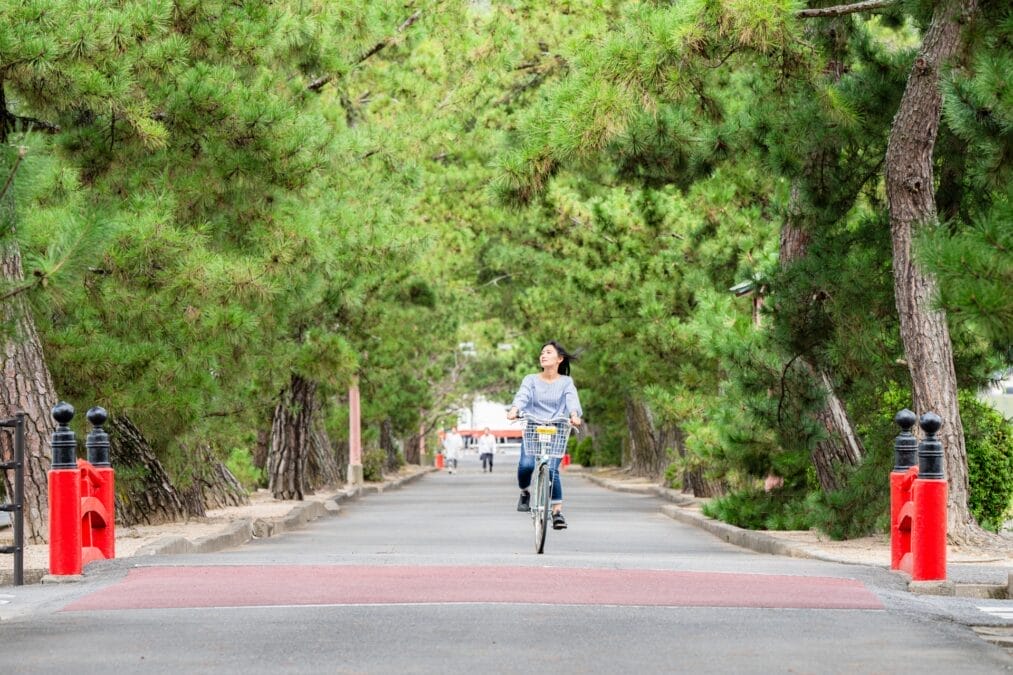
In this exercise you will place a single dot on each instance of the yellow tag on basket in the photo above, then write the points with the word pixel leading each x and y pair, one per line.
pixel 546 430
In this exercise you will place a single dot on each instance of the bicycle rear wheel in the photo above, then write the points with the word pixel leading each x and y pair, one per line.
pixel 543 495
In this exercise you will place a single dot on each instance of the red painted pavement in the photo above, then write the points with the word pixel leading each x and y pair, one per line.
pixel 255 586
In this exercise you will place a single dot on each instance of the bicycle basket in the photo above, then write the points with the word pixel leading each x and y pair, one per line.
pixel 538 438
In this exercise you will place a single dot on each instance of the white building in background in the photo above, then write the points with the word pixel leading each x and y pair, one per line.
pixel 482 413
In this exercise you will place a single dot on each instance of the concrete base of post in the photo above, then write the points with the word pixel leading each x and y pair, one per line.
pixel 355 475
pixel 932 587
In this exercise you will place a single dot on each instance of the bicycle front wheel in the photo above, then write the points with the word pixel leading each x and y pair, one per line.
pixel 544 509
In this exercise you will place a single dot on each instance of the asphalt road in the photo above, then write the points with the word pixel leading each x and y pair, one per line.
pixel 441 576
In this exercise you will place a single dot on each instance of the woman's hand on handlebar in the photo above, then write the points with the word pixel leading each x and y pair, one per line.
pixel 512 414
pixel 575 420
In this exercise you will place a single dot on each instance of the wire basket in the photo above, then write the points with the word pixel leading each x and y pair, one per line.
pixel 553 445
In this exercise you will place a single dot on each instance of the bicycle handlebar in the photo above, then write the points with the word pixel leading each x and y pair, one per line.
pixel 523 416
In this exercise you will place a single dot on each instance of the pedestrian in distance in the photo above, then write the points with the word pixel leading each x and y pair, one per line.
pixel 486 448
pixel 547 395
pixel 453 444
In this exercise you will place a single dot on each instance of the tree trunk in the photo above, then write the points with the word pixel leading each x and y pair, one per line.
pixel 648 454
pixel 301 457
pixel 324 468
pixel 389 445
pixel 910 193
pixel 340 447
pixel 28 385
pixel 413 449
pixel 144 492
pixel 694 478
pixel 840 444
pixel 262 447
pixel 215 487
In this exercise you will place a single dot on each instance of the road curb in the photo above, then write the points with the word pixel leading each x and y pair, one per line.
pixel 764 543
pixel 242 531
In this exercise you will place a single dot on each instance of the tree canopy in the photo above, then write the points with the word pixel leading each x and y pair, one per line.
pixel 229 212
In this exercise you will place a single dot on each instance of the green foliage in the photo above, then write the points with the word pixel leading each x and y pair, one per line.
pixel 989 439
pixel 975 271
pixel 240 192
pixel 758 510
pixel 581 451
pixel 240 463
pixel 373 461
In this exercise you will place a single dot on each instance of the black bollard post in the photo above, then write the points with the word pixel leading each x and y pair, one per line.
pixel 905 445
pixel 930 452
pixel 64 440
pixel 97 442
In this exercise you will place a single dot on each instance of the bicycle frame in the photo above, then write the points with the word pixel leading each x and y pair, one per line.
pixel 546 441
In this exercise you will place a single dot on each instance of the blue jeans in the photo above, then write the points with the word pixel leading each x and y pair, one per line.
pixel 526 467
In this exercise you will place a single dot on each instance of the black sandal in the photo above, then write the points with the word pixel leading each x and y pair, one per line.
pixel 524 503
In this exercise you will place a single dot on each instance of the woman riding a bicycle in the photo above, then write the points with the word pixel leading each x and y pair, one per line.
pixel 547 395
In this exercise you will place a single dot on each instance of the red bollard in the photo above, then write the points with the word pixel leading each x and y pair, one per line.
pixel 101 516
pixel 928 531
pixel 439 460
pixel 64 497
pixel 105 538
pixel 905 453
pixel 566 460
pixel 97 538
pixel 902 512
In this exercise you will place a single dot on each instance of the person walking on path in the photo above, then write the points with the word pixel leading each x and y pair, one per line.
pixel 486 448
pixel 547 395
pixel 453 444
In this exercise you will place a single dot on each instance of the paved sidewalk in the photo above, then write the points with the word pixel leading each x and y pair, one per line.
pixel 220 529
pixel 970 572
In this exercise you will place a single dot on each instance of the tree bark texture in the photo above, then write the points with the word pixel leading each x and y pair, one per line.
pixel 301 457
pixel 28 384
pixel 648 444
pixel 389 445
pixel 910 193
pixel 324 467
pixel 290 432
pixel 144 492
pixel 413 449
pixel 840 445
pixel 215 487
pixel 694 479
pixel 262 447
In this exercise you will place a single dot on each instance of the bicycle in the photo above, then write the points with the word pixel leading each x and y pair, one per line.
pixel 549 437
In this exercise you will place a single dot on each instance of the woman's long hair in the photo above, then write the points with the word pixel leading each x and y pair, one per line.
pixel 564 367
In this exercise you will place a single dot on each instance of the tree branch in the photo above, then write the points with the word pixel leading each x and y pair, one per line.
pixel 320 82
pixel 840 10
pixel 17 290
pixel 35 123
pixel 382 44
pixel 22 151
